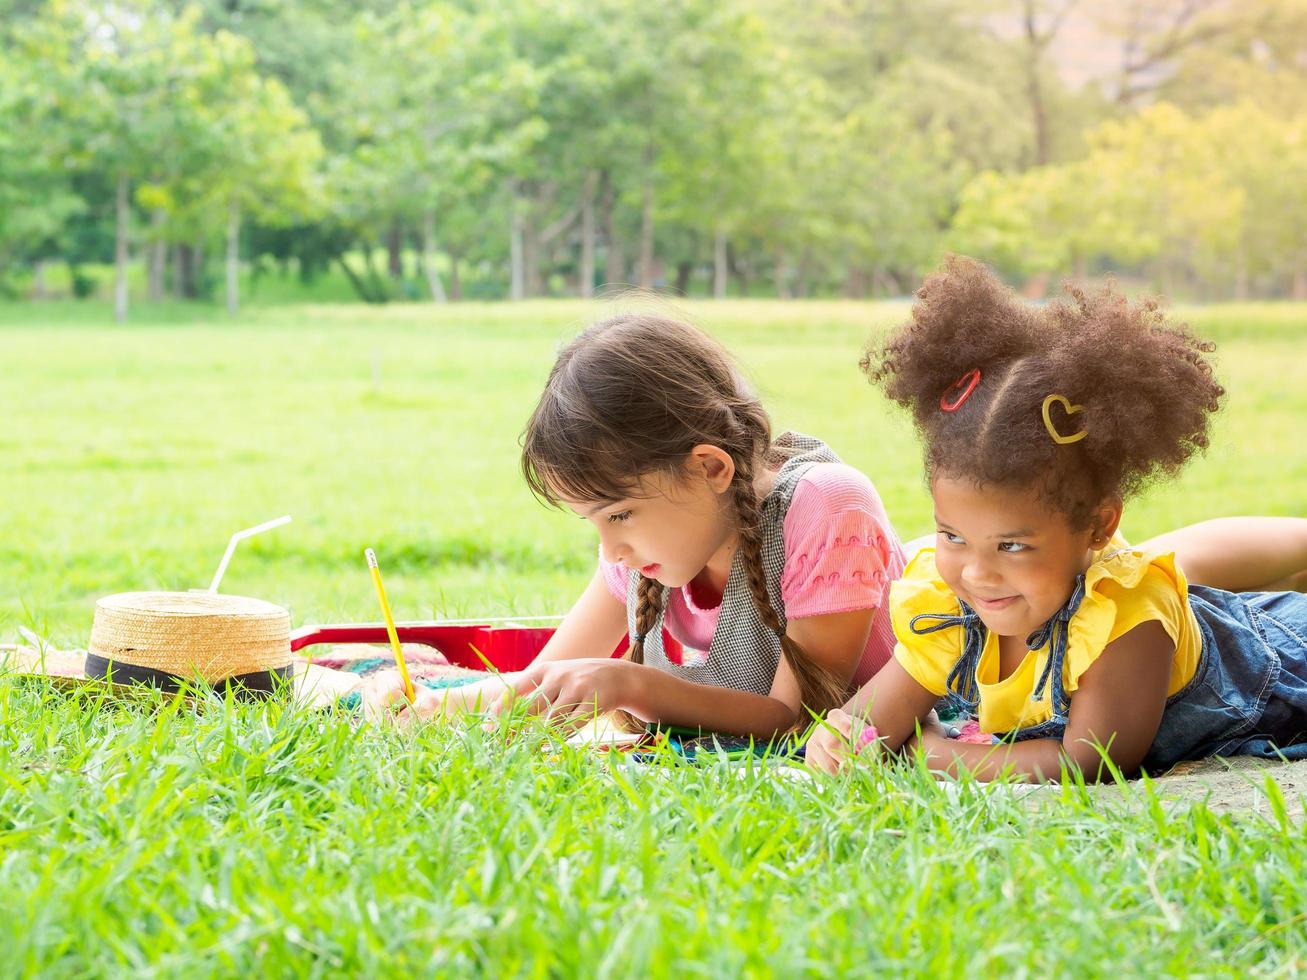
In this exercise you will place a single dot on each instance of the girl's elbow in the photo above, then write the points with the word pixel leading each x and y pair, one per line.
pixel 782 719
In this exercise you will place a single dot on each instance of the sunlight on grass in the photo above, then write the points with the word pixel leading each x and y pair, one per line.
pixel 264 840
pixel 132 453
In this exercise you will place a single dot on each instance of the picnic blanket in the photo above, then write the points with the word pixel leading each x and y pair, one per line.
pixel 335 675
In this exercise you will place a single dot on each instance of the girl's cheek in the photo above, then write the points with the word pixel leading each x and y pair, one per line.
pixel 949 572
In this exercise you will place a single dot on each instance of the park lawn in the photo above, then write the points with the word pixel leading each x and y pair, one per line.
pixel 257 837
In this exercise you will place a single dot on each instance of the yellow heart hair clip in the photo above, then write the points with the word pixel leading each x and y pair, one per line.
pixel 1058 438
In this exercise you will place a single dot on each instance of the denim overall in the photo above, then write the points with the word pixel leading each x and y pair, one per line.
pixel 1247 697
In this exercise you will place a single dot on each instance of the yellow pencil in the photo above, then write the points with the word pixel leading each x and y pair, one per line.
pixel 390 624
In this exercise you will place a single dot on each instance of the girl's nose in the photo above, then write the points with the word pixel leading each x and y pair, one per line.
pixel 980 574
pixel 612 551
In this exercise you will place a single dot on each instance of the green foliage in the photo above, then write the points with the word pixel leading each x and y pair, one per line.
pixel 830 145
pixel 36 196
pixel 1217 193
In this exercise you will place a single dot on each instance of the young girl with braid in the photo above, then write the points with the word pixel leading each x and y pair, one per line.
pixel 1030 612
pixel 746 570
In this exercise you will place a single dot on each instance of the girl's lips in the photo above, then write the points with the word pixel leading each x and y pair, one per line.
pixel 996 603
pixel 649 571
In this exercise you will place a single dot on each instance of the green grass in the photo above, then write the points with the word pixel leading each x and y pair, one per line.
pixel 130 454
pixel 260 839
pixel 251 838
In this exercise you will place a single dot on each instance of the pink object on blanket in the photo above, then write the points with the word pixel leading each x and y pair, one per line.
pixel 869 735
pixel 340 656
pixel 972 734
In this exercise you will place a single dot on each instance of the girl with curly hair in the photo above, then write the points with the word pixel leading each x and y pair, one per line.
pixel 1031 613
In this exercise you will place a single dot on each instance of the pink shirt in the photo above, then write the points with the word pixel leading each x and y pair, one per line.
pixel 841 553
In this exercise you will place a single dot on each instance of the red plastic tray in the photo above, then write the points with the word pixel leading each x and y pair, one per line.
pixel 506 647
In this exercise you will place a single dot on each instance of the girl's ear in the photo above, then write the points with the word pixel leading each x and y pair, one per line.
pixel 714 464
pixel 1107 518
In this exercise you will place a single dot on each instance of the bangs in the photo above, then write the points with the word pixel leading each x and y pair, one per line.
pixel 631 397
pixel 565 460
pixel 554 482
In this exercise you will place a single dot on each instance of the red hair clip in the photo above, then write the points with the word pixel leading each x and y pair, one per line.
pixel 961 389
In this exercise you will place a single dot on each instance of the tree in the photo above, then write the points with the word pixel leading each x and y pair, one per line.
pixel 1040 21
pixel 36 196
pixel 266 155
pixel 129 81
pixel 1151 188
pixel 447 112
pixel 1264 155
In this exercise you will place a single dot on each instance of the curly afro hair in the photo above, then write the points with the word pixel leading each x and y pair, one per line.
pixel 1145 384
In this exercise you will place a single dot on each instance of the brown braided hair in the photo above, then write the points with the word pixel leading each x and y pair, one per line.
pixel 630 397
pixel 820 689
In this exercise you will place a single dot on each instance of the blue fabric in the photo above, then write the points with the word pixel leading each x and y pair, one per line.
pixel 354 699
pixel 1248 696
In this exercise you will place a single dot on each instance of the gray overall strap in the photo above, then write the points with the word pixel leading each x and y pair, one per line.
pixel 744 652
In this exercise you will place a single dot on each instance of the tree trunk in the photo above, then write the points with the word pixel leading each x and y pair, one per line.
pixel 1037 43
pixel 646 228
pixel 683 272
pixel 720 267
pixel 517 265
pixel 803 276
pixel 121 215
pixel 587 273
pixel 376 281
pixel 615 260
pixel 158 254
pixel 1080 268
pixel 395 251
pixel 365 292
pixel 39 290
pixel 855 282
pixel 531 259
pixel 233 257
pixel 1035 91
pixel 455 283
pixel 181 269
pixel 429 257
pixel 1300 280
pixel 782 277
pixel 741 271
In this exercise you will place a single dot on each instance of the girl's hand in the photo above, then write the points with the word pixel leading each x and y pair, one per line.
pixel 568 690
pixel 384 700
pixel 829 750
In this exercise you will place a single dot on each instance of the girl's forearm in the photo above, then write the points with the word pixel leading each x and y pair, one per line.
pixel 660 697
pixel 1041 759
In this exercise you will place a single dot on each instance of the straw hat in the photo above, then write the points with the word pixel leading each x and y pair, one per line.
pixel 162 638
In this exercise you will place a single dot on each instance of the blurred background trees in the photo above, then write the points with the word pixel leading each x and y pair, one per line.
pixel 437 150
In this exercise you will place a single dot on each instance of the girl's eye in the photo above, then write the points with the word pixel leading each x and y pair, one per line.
pixel 1013 547
pixel 618 518
pixel 951 538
